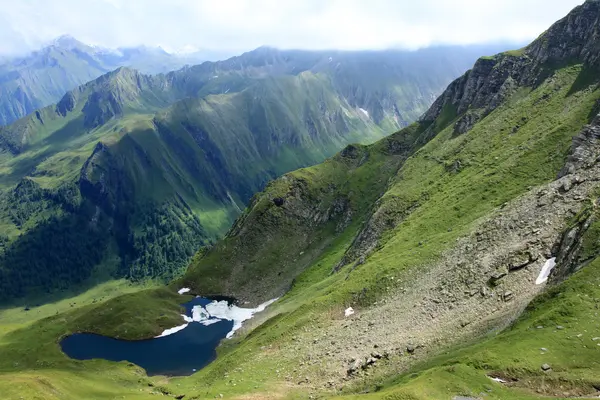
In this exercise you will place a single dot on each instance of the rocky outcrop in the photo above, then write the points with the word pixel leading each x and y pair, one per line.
pixel 67 103
pixel 574 39
pixel 568 249
pixel 483 88
pixel 584 150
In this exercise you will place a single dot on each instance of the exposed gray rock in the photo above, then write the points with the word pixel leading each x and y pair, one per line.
pixel 354 366
pixel 519 260
pixel 498 274
pixel 370 361
pixel 546 367
pixel 466 122
pixel 583 149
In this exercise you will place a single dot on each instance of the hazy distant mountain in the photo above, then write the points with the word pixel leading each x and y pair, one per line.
pixel 44 76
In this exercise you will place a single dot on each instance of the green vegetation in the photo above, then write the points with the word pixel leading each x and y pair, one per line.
pixel 350 231
pixel 150 169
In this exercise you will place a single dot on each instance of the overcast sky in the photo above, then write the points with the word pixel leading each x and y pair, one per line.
pixel 178 25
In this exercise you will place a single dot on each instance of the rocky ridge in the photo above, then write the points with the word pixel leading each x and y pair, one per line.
pixel 493 79
pixel 483 282
pixel 483 89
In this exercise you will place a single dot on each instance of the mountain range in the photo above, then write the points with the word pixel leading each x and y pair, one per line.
pixel 44 76
pixel 163 164
pixel 456 258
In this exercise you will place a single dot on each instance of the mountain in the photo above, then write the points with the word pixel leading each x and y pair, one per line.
pixel 130 174
pixel 456 258
pixel 436 236
pixel 44 76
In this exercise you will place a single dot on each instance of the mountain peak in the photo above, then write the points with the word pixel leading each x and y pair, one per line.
pixel 576 36
pixel 68 42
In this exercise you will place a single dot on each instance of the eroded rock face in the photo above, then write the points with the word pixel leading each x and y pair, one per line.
pixel 584 150
pixel 493 79
pixel 575 36
pixel 484 281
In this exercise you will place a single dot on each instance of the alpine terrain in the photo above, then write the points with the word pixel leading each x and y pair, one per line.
pixel 130 174
pixel 457 258
pixel 41 78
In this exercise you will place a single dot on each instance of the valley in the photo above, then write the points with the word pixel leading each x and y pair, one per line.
pixel 163 164
pixel 409 265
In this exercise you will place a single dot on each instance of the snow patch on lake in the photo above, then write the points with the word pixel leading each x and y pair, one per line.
pixel 545 272
pixel 221 310
pixel 184 290
pixel 171 331
pixel 218 311
pixel 364 112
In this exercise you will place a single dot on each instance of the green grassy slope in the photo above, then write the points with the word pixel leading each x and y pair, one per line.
pixel 353 231
pixel 160 174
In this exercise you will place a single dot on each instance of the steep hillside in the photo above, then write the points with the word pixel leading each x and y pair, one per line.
pixel 151 168
pixel 409 268
pixel 436 243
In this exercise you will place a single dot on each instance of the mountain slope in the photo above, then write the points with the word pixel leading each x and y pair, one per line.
pixel 154 167
pixel 435 236
pixel 447 247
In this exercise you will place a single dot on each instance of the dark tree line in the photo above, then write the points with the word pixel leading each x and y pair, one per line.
pixel 168 237
pixel 70 236
pixel 54 255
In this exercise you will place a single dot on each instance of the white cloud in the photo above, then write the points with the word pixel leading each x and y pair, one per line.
pixel 246 24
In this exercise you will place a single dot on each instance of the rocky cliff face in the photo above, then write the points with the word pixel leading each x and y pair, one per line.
pixel 573 39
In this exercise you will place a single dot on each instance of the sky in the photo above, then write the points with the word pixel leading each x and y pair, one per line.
pixel 239 25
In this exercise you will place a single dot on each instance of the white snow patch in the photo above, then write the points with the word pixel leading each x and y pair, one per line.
pixel 349 311
pixel 545 272
pixel 221 310
pixel 171 331
pixel 184 290
pixel 199 314
pixel 364 112
pixel 330 59
pixel 499 380
pixel 208 322
pixel 218 311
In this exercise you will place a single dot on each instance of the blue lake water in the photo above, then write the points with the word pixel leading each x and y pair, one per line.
pixel 181 353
